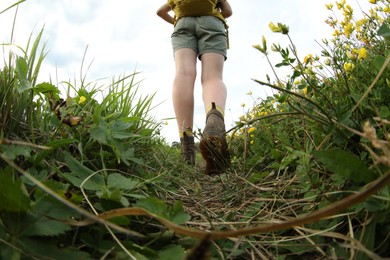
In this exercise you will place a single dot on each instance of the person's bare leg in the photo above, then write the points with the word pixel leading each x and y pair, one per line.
pixel 183 88
pixel 183 101
pixel 213 145
pixel 214 89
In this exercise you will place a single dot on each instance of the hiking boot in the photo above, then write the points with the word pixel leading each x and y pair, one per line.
pixel 188 149
pixel 213 145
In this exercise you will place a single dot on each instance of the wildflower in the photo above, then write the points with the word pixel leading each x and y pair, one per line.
pixel 362 53
pixel 82 99
pixel 304 91
pixel 329 6
pixel 280 28
pixel 250 130
pixel 264 42
pixel 340 4
pixel 348 29
pixel 257 46
pixel 350 55
pixel 308 58
pixel 252 142
pixel 348 11
pixel 372 1
pixel 349 66
pixel 361 22
pixel 273 27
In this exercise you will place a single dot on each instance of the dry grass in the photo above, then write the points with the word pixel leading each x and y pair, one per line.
pixel 230 202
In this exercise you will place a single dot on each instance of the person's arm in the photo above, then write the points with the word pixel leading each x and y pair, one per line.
pixel 163 12
pixel 226 9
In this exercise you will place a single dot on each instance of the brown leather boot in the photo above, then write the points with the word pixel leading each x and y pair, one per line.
pixel 188 149
pixel 213 145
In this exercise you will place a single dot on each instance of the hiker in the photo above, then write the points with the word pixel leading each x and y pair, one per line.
pixel 200 31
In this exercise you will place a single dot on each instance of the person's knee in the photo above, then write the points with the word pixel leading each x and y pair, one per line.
pixel 186 75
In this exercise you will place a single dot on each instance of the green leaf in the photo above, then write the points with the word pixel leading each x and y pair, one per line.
pixel 113 195
pixel 177 215
pixel 172 252
pixel 367 239
pixel 46 87
pixel 48 228
pixel 79 173
pixel 346 165
pixel 384 31
pixel 48 206
pixel 118 181
pixel 99 133
pixel 12 151
pixel 54 145
pixel 49 249
pixel 154 205
pixel 13 194
pixel 384 112
pixel 119 130
pixel 379 61
pixel 22 70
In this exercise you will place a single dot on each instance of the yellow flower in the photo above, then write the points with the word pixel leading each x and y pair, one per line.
pixel 252 142
pixel 308 58
pixel 280 28
pixel 250 130
pixel 348 29
pixel 348 11
pixel 273 27
pixel 82 99
pixel 340 4
pixel 349 66
pixel 362 53
pixel 372 1
pixel 329 6
pixel 304 91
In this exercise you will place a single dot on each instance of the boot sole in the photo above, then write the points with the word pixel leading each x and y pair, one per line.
pixel 215 152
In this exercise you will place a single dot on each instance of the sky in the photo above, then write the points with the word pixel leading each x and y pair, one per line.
pixel 126 36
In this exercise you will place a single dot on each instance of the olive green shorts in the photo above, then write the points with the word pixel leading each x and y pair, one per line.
pixel 203 34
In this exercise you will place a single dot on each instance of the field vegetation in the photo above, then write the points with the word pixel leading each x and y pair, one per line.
pixel 85 177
